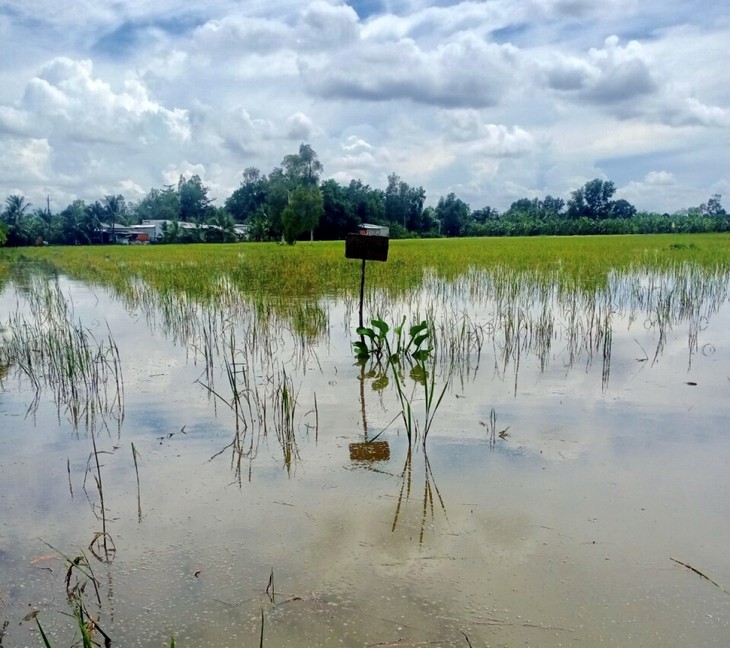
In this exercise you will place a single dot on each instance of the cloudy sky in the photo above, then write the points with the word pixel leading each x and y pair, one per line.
pixel 494 100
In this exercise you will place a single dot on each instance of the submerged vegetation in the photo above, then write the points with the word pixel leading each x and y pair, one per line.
pixel 54 351
pixel 261 323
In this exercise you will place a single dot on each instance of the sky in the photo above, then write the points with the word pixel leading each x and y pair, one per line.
pixel 494 101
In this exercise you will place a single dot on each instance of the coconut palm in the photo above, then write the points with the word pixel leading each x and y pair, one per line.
pixel 14 219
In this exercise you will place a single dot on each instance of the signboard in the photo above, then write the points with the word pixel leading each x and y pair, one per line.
pixel 369 248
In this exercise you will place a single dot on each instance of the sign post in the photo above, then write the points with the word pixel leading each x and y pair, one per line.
pixel 369 243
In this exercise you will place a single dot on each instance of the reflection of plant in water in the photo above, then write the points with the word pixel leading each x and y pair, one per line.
pixel 86 610
pixel 429 490
pixel 259 392
pixel 52 350
pixel 492 433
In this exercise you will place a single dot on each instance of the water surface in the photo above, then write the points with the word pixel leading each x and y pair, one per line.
pixel 612 460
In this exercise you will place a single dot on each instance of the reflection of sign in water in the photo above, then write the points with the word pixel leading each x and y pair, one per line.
pixel 370 451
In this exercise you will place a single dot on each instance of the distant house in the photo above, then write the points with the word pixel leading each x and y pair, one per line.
pixel 153 231
pixel 368 229
pixel 150 231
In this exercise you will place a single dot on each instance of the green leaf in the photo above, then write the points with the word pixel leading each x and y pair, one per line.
pixel 399 329
pixel 419 340
pixel 361 349
pixel 421 355
pixel 418 328
pixel 367 332
pixel 382 327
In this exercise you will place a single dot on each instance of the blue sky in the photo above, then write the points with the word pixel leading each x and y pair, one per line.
pixel 494 101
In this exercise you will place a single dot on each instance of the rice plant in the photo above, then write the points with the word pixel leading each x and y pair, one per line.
pixel 54 351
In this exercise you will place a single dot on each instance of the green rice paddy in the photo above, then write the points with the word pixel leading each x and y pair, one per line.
pixel 314 269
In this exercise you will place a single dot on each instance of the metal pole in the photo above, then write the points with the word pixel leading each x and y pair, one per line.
pixel 362 295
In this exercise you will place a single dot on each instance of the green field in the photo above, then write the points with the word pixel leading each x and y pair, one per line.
pixel 312 269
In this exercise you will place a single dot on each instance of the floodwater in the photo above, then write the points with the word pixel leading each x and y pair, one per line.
pixel 573 488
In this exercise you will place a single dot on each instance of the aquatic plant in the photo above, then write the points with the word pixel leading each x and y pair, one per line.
pixel 398 351
pixel 53 350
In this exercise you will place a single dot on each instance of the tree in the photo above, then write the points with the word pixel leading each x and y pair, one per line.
pixel 41 226
pixel 453 214
pixel 172 232
pixel 592 200
pixel 302 212
pixel 415 199
pixel 484 214
pixel 395 209
pixel 404 204
pixel 303 167
pixel 222 228
pixel 713 208
pixel 622 209
pixel 250 196
pixel 75 227
pixel 552 208
pixel 338 215
pixel 115 209
pixel 159 204
pixel 14 217
pixel 368 204
pixel 259 227
pixel 277 198
pixel 195 205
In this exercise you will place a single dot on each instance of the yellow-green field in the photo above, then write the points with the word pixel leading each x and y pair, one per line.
pixel 316 268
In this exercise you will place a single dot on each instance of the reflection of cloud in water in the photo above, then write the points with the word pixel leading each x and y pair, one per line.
pixel 635 464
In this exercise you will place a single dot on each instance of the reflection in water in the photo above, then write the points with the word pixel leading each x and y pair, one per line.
pixel 255 352
pixel 49 348
pixel 544 543
pixel 426 504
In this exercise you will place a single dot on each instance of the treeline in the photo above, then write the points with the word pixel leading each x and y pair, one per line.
pixel 292 202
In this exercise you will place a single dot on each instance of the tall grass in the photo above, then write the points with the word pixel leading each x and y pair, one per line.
pixel 55 351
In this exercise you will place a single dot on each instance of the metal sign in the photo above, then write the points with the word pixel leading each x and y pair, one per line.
pixel 366 247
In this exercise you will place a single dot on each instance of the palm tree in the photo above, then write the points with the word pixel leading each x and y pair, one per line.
pixel 13 217
pixel 224 224
pixel 115 209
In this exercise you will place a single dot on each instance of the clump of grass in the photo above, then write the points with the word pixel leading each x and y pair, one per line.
pixel 79 579
pixel 54 351
pixel 285 405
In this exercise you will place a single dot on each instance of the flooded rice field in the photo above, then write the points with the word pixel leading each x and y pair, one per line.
pixel 552 472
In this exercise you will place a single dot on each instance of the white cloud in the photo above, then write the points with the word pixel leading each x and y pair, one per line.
pixel 25 159
pixel 299 126
pixel 66 99
pixel 491 99
pixel 463 72
pixel 607 75
pixel 659 178
pixel 329 26
pixel 484 138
